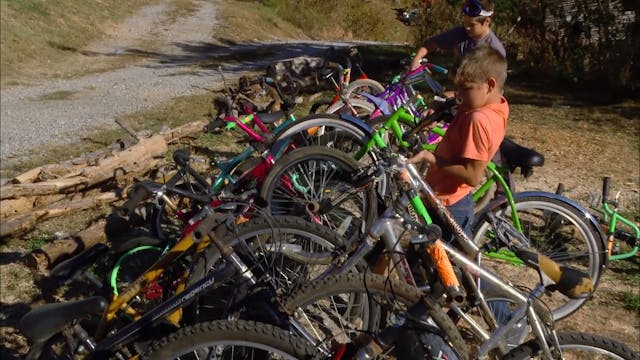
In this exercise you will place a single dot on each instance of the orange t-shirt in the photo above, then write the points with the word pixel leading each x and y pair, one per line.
pixel 475 134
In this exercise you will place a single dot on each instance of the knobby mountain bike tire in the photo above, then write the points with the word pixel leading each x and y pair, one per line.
pixel 575 345
pixel 256 241
pixel 332 131
pixel 316 183
pixel 230 340
pixel 342 307
pixel 326 130
pixel 165 225
pixel 553 228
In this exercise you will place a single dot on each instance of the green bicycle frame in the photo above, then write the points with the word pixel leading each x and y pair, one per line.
pixel 613 217
pixel 392 123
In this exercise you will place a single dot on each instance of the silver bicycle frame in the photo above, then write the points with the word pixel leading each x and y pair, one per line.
pixel 525 303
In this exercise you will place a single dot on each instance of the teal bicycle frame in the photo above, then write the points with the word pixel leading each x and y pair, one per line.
pixel 226 167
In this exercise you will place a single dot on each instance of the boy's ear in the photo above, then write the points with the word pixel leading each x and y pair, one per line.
pixel 492 84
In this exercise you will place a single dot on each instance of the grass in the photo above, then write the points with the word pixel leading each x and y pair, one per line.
pixel 631 302
pixel 37 37
pixel 37 241
pixel 57 95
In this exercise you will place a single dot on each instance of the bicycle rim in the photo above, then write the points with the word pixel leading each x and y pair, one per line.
pixel 338 309
pixel 553 228
pixel 315 183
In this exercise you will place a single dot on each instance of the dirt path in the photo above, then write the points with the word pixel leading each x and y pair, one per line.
pixel 57 110
pixel 151 58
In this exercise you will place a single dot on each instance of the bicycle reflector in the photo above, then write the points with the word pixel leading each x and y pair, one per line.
pixel 474 9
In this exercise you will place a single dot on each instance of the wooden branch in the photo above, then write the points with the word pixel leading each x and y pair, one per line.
pixel 184 130
pixel 58 250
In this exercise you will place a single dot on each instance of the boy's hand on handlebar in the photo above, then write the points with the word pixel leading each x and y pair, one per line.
pixel 422 156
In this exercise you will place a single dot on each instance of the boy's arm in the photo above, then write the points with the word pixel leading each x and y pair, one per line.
pixel 470 171
pixel 421 53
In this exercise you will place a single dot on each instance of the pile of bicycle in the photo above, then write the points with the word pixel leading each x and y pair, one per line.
pixel 317 242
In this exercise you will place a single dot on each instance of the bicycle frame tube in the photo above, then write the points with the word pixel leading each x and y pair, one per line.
pixel 162 310
pixel 497 177
pixel 392 124
pixel 614 218
pixel 524 303
pixel 227 166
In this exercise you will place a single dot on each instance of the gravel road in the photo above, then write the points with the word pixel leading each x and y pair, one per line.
pixel 170 49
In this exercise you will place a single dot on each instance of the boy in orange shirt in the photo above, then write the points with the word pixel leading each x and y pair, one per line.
pixel 474 136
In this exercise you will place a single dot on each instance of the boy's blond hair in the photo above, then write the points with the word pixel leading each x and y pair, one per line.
pixel 479 65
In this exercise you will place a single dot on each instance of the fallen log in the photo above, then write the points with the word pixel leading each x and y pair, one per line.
pixel 20 206
pixel 19 225
pixel 58 250
pixel 136 159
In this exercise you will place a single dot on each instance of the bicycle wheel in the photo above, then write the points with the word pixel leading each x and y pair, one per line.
pixel 316 183
pixel 363 108
pixel 166 223
pixel 230 340
pixel 576 346
pixel 132 264
pixel 284 251
pixel 359 86
pixel 338 308
pixel 553 228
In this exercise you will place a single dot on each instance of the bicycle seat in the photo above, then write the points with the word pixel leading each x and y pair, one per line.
pixel 570 282
pixel 43 322
pixel 515 156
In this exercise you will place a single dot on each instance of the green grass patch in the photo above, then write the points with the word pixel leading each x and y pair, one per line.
pixel 631 302
pixel 57 95
pixel 37 241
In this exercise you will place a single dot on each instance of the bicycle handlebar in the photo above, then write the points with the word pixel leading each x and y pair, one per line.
pixel 436 116
pixel 570 282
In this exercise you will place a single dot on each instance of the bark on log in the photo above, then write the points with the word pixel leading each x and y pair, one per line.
pixel 58 250
pixel 22 224
pixel 136 159
pixel 27 177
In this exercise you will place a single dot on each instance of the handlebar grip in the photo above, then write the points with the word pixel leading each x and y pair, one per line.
pixel 181 156
pixel 570 282
pixel 443 266
pixel 439 69
pixel 606 183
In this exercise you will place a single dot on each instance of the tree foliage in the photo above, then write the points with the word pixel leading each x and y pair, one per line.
pixel 585 42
